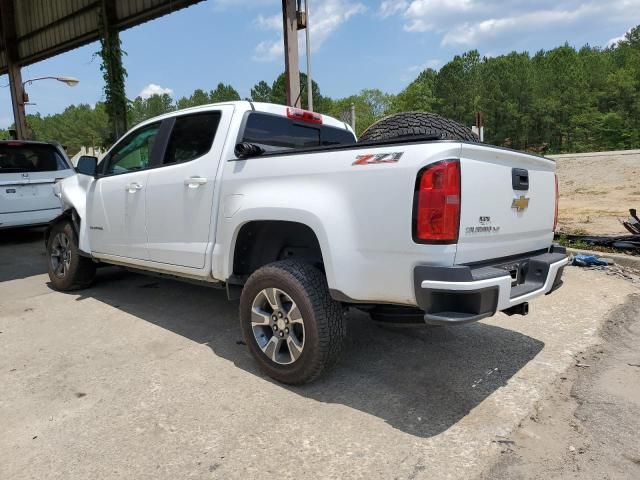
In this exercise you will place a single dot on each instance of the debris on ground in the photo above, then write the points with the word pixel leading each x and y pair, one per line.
pixel 633 223
pixel 626 243
pixel 607 265
pixel 584 260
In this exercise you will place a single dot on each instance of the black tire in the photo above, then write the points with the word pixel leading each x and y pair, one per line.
pixel 80 271
pixel 322 318
pixel 412 124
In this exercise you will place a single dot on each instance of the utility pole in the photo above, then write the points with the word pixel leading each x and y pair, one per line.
pixel 353 116
pixel 308 45
pixel 291 60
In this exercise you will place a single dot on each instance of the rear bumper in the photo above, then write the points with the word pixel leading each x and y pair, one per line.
pixel 24 219
pixel 467 293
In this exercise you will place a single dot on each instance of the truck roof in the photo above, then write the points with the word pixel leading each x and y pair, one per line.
pixel 246 105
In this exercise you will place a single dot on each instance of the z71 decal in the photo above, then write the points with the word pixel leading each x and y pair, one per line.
pixel 371 159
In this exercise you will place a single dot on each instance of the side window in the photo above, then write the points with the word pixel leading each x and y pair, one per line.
pixel 134 152
pixel 192 136
pixel 337 136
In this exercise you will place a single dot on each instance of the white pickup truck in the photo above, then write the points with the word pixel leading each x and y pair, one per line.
pixel 284 209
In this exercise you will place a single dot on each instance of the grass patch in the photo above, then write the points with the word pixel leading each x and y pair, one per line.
pixel 562 239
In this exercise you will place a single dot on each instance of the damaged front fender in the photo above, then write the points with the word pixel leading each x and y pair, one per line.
pixel 72 192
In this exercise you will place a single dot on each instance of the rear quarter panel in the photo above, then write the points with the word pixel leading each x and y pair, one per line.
pixel 361 214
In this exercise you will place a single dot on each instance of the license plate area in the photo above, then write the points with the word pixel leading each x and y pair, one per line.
pixel 515 271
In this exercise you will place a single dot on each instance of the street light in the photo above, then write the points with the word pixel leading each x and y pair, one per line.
pixel 21 124
pixel 71 81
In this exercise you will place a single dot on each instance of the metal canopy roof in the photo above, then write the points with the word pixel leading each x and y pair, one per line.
pixel 44 28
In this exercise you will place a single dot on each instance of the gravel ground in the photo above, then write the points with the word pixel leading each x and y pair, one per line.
pixel 588 427
pixel 596 190
pixel 145 378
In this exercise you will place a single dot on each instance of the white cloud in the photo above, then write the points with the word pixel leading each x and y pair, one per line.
pixel 153 89
pixel 425 15
pixel 475 22
pixel 325 17
pixel 616 40
pixel 391 7
pixel 272 22
pixel 470 34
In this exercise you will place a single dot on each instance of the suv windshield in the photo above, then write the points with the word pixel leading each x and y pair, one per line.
pixel 25 158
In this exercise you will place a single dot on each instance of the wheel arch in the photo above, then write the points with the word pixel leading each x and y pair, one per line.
pixel 259 242
pixel 69 214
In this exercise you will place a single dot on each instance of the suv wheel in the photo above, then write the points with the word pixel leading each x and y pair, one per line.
pixel 68 270
pixel 292 326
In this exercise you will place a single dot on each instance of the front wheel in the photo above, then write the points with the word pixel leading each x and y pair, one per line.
pixel 68 270
pixel 292 326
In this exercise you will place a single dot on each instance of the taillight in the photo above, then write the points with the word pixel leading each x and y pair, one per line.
pixel 437 203
pixel 304 115
pixel 555 215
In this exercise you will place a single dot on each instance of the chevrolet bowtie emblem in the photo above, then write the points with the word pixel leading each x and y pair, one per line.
pixel 520 203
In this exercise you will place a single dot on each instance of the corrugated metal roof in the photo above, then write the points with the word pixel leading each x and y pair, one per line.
pixel 44 28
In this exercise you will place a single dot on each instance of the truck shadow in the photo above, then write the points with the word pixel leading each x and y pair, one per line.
pixel 421 381
pixel 22 253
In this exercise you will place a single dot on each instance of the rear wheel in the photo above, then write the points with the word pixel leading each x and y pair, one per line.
pixel 68 270
pixel 292 326
pixel 417 124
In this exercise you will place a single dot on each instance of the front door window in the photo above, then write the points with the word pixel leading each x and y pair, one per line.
pixel 133 153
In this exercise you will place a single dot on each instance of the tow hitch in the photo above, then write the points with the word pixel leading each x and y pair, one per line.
pixel 522 309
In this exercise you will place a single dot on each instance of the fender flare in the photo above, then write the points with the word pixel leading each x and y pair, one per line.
pixel 69 214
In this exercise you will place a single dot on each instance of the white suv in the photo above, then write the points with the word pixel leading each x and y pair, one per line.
pixel 28 171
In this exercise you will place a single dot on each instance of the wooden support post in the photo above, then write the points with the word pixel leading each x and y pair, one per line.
pixel 115 73
pixel 17 101
pixel 15 77
pixel 291 60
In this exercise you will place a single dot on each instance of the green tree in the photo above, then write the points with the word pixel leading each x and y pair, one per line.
pixel 279 95
pixel 457 87
pixel 419 94
pixel 261 92
pixel 141 109
pixel 197 98
pixel 224 93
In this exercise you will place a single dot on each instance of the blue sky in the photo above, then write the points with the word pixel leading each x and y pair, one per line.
pixel 356 44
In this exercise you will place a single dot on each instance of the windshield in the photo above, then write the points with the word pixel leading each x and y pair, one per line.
pixel 25 158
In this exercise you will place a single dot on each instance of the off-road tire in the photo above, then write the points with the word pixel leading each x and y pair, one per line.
pixel 81 271
pixel 417 124
pixel 323 317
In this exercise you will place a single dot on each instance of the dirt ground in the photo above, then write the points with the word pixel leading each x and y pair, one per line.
pixel 588 427
pixel 147 378
pixel 597 189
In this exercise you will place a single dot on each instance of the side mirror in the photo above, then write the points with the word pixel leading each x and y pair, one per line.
pixel 87 165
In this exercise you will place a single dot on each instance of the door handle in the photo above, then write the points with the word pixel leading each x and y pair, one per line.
pixel 195 182
pixel 133 187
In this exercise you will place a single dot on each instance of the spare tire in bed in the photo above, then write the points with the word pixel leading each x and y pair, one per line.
pixel 417 124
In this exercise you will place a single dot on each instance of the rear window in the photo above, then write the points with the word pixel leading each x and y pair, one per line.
pixel 192 137
pixel 24 158
pixel 282 133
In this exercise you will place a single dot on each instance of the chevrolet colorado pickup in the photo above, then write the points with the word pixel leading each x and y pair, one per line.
pixel 297 219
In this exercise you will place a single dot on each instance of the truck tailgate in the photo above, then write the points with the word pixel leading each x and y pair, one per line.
pixel 507 203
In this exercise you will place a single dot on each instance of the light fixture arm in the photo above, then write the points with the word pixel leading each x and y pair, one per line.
pixel 71 81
